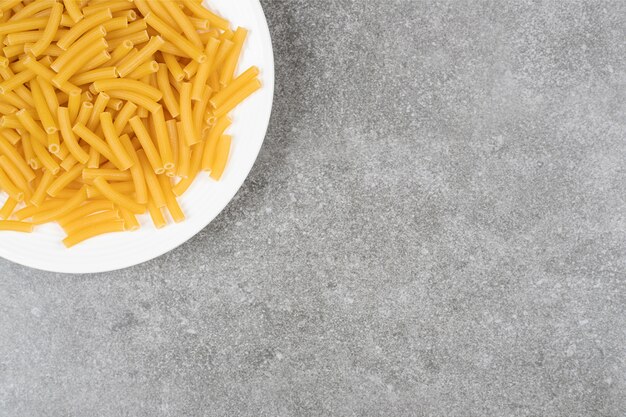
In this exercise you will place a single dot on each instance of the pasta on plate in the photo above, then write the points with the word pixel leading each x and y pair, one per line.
pixel 110 109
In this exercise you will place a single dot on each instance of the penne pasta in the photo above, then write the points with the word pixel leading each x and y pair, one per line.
pixel 117 198
pixel 92 231
pixel 50 31
pixel 147 144
pixel 16 226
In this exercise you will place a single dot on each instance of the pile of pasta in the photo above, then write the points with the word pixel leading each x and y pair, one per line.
pixel 111 108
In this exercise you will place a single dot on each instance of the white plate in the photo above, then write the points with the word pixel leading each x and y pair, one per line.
pixel 202 202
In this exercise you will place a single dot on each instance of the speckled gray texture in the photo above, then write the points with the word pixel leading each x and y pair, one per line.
pixel 436 226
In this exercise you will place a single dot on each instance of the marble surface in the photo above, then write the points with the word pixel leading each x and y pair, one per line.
pixel 436 226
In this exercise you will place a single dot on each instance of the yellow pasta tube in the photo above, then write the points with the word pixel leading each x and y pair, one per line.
pixel 10 122
pixel 147 144
pixel 221 157
pixel 197 151
pixel 184 153
pixel 73 10
pixel 172 134
pixel 128 85
pixel 13 50
pixel 156 214
pixel 54 144
pixel 41 191
pixel 9 187
pixel 46 159
pixel 190 49
pixel 174 67
pixel 170 199
pixel 186 115
pixel 74 66
pixel 9 150
pixel 32 9
pixel 120 52
pixel 201 12
pixel 163 141
pixel 14 100
pixel 94 75
pixel 51 28
pixel 204 70
pixel 21 38
pixel 62 153
pixel 88 221
pixel 118 198
pixel 86 109
pixel 199 109
pixel 14 175
pixel 113 140
pixel 250 74
pixel 64 180
pixel 170 101
pixel 115 104
pixel 49 95
pixel 7 209
pixel 136 38
pixel 212 141
pixel 239 96
pixel 147 68
pixel 15 226
pixel 183 22
pixel 15 81
pixel 30 211
pixel 99 60
pixel 114 6
pixel 82 27
pixel 67 206
pixel 228 68
pixel 73 104
pixel 170 48
pixel 70 161
pixel 27 121
pixel 151 180
pixel 124 116
pixel 190 69
pixel 47 120
pixel 107 174
pixel 130 15
pixel 130 63
pixel 65 125
pixel 23 25
pixel 9 4
pixel 201 24
pixel 40 70
pixel 139 99
pixel 98 108
pixel 223 51
pixel 95 142
pixel 136 171
pixel 7 108
pixel 87 209
pixel 131 29
pixel 11 135
pixel 115 24
pixel 109 226
pixel 130 221
pixel 79 47
pixel 123 187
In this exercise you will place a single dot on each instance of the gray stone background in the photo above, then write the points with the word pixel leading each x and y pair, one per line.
pixel 436 226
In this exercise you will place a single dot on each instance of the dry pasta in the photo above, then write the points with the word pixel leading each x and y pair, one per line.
pixel 109 109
